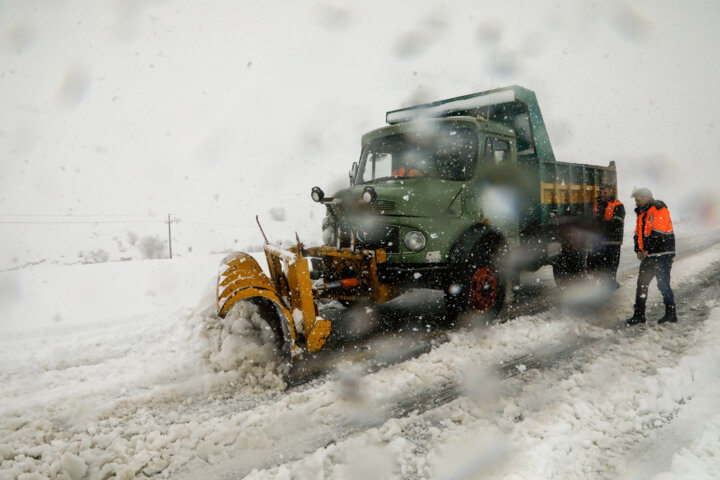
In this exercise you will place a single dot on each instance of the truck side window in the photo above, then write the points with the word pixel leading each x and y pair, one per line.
pixel 497 152
pixel 523 132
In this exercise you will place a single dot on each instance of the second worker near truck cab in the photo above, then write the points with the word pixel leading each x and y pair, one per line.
pixel 655 248
pixel 609 212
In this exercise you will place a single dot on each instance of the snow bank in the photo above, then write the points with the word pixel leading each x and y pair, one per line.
pixel 97 389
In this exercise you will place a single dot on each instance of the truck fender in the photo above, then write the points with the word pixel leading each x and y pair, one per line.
pixel 478 240
pixel 474 282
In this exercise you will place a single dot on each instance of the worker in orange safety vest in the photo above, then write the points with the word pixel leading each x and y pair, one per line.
pixel 655 248
pixel 403 172
pixel 609 213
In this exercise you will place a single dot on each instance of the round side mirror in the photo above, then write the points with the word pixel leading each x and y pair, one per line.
pixel 317 194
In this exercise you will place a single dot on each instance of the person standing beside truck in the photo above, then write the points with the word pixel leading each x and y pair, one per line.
pixel 609 212
pixel 655 248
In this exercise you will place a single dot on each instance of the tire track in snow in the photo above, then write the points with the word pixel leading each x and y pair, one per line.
pixel 580 350
pixel 161 433
pixel 534 301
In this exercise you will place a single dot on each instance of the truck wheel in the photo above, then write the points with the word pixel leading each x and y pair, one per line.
pixel 569 266
pixel 478 288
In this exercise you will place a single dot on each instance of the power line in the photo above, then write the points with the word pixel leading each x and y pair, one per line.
pixel 76 215
pixel 87 219
pixel 66 219
pixel 91 222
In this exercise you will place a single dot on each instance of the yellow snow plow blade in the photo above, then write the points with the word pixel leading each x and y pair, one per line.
pixel 288 288
pixel 241 279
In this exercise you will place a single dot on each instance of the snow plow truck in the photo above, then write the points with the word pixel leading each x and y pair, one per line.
pixel 459 195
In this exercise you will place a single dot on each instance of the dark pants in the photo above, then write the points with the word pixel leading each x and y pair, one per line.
pixel 604 261
pixel 659 268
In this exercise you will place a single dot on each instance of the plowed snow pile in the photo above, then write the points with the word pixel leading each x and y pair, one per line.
pixel 241 343
pixel 101 395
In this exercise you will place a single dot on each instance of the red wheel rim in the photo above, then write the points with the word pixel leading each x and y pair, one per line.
pixel 483 290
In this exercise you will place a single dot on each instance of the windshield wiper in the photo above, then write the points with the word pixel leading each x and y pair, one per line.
pixel 455 198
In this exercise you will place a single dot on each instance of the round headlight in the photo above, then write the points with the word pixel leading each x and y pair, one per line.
pixel 369 195
pixel 317 194
pixel 415 241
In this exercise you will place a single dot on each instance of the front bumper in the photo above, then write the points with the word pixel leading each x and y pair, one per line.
pixel 420 275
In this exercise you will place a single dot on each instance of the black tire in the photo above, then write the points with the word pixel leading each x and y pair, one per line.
pixel 569 266
pixel 475 287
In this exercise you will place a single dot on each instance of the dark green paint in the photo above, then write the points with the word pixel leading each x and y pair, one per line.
pixel 446 210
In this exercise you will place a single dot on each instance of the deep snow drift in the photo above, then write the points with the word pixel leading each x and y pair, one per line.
pixel 140 379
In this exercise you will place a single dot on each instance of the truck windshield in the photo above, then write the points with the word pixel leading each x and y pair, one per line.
pixel 447 152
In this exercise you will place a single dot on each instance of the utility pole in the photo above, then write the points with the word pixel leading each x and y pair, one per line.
pixel 169 235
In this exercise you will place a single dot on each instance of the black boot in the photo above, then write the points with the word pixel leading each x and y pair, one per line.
pixel 638 316
pixel 670 315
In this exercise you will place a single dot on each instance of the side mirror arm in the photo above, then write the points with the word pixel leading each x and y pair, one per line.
pixel 353 173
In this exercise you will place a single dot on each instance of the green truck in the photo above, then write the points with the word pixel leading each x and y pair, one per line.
pixel 460 195
pixel 463 194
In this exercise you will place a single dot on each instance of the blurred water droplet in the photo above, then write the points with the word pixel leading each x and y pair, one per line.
pixel 334 18
pixel 75 86
pixel 490 32
pixel 630 23
pixel 20 38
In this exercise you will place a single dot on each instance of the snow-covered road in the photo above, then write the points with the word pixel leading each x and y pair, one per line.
pixel 117 371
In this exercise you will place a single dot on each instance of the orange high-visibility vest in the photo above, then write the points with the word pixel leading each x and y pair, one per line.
pixel 609 210
pixel 657 219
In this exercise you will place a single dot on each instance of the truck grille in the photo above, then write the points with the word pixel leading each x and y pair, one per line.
pixel 382 206
pixel 385 236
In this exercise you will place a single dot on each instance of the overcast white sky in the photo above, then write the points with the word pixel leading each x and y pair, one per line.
pixel 122 107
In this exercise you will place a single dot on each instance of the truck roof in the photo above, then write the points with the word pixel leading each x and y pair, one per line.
pixel 477 122
pixel 514 106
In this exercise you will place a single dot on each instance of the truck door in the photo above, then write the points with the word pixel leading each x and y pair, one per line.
pixel 497 199
pixel 497 152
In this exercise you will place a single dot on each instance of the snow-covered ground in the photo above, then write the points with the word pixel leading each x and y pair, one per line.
pixel 116 113
pixel 120 370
